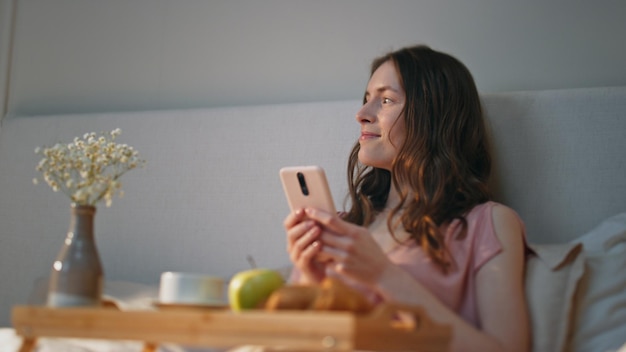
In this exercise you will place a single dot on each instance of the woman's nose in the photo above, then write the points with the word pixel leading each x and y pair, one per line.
pixel 365 114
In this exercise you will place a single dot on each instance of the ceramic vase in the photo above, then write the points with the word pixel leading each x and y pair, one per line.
pixel 76 278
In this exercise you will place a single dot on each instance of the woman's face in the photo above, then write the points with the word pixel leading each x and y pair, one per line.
pixel 382 126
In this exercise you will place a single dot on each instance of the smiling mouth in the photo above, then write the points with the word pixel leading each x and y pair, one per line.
pixel 368 135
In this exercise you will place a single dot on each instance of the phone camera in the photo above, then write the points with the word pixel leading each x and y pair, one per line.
pixel 302 182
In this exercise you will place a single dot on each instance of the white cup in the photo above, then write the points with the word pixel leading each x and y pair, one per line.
pixel 187 288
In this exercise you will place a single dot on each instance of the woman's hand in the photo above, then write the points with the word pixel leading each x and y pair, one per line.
pixel 351 249
pixel 303 246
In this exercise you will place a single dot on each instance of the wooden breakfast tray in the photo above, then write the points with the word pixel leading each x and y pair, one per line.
pixel 388 328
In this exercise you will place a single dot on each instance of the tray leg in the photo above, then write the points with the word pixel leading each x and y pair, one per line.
pixel 149 347
pixel 28 344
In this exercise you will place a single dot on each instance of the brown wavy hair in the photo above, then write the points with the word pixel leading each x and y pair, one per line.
pixel 443 167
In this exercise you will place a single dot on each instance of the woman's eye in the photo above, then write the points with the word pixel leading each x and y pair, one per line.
pixel 387 101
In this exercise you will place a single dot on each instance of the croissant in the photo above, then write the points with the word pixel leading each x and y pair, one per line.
pixel 296 297
pixel 336 295
pixel 331 294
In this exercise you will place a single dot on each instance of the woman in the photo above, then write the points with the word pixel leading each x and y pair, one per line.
pixel 421 229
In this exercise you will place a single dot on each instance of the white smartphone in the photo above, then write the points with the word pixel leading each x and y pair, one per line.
pixel 306 186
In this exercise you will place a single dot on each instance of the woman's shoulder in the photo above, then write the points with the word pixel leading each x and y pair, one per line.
pixel 495 220
pixel 492 210
pixel 491 228
pixel 503 221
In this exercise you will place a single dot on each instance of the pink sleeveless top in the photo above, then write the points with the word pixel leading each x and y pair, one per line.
pixel 457 288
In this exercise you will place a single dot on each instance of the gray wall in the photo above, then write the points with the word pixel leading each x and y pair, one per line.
pixel 91 56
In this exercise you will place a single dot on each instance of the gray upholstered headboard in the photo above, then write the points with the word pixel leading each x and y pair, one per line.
pixel 560 157
pixel 210 194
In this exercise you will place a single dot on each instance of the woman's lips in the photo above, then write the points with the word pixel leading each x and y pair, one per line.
pixel 368 135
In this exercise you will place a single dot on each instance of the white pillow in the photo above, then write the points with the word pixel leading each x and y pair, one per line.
pixel 599 323
pixel 552 275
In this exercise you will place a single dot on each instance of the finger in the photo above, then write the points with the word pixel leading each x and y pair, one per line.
pixel 310 252
pixel 307 238
pixel 306 258
pixel 297 231
pixel 293 218
pixel 331 222
pixel 343 243
pixel 308 263
pixel 333 254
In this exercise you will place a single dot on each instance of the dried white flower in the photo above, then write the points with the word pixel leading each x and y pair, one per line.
pixel 88 169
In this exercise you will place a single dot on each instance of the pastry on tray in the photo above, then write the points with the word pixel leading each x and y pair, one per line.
pixel 331 294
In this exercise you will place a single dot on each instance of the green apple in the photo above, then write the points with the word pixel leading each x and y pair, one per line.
pixel 250 288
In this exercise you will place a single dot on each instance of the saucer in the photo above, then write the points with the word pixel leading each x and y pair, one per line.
pixel 191 306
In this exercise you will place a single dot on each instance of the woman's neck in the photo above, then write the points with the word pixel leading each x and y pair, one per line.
pixel 393 199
